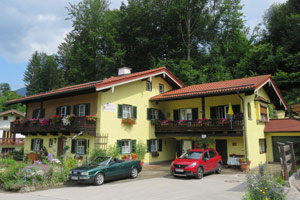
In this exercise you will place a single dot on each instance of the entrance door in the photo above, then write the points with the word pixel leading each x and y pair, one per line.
pixel 61 144
pixel 221 147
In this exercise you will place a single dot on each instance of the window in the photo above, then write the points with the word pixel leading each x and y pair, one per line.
pixel 51 143
pixel 161 88
pixel 249 111
pixel 17 118
pixel 152 114
pixel 80 146
pixel 125 146
pixel 81 110
pixel 36 145
pixel 5 118
pixel 185 114
pixel 36 114
pixel 63 111
pixel 149 86
pixel 212 154
pixel 126 111
pixel 154 146
pixel 263 113
pixel 262 146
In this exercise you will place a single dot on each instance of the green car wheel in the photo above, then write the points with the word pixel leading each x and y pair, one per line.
pixel 99 179
pixel 134 172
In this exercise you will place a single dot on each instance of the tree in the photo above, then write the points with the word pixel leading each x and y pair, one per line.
pixel 10 95
pixel 42 74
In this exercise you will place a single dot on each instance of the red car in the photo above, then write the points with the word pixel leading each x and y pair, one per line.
pixel 196 163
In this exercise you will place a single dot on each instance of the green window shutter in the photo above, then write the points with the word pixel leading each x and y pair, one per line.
pixel 41 143
pixel 32 143
pixel 58 111
pixel 134 112
pixel 213 112
pixel 85 145
pixel 87 109
pixel 68 110
pixel 160 145
pixel 176 115
pixel 133 146
pixel 148 113
pixel 75 110
pixel 73 147
pixel 148 145
pixel 195 113
pixel 120 111
pixel 119 143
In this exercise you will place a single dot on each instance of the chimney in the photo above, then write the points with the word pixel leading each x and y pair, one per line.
pixel 124 71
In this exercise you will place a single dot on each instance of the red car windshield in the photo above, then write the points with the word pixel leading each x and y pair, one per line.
pixel 191 155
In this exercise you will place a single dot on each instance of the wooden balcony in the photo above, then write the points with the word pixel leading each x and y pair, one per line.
pixel 12 141
pixel 77 124
pixel 195 128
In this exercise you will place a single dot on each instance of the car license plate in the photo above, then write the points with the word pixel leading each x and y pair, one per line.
pixel 74 177
pixel 179 170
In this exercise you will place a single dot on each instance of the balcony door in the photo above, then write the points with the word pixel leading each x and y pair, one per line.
pixel 186 114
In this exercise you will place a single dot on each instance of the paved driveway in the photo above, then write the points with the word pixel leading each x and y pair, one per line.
pixel 151 184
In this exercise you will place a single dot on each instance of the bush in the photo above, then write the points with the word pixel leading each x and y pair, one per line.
pixel 97 153
pixel 114 151
pixel 141 150
pixel 262 186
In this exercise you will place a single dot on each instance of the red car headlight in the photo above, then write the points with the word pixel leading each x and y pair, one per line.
pixel 193 164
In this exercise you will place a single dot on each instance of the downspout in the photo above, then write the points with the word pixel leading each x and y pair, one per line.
pixel 244 129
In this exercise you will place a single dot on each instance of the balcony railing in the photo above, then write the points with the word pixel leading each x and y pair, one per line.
pixel 12 141
pixel 77 124
pixel 195 127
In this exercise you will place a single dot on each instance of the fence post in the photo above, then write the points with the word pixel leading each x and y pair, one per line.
pixel 283 161
pixel 292 156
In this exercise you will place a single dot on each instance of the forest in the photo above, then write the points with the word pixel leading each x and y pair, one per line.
pixel 199 41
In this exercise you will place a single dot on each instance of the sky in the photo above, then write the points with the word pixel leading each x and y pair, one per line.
pixel 39 25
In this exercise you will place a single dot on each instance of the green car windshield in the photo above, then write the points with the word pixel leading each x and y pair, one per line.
pixel 101 161
pixel 191 155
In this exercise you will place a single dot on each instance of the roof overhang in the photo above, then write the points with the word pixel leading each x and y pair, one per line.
pixel 164 74
pixel 275 89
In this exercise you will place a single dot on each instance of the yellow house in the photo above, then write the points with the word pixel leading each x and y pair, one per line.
pixel 155 108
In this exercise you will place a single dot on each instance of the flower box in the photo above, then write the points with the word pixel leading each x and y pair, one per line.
pixel 245 167
pixel 34 157
pixel 154 154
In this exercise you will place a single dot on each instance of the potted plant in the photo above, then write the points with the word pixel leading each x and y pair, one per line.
pixel 66 148
pixel 164 123
pixel 245 164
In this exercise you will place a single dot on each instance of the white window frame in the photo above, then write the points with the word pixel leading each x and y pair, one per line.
pixel 154 145
pixel 79 147
pixel 262 145
pixel 63 111
pixel 148 85
pixel 222 112
pixel 161 88
pixel 127 111
pixel 154 114
pixel 37 145
pixel 51 143
pixel 186 114
pixel 81 112
pixel 126 147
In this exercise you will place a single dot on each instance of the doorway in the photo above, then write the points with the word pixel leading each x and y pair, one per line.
pixel 61 144
pixel 221 147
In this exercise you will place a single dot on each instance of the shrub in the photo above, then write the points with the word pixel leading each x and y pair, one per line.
pixel 114 151
pixel 97 153
pixel 263 186
pixel 141 150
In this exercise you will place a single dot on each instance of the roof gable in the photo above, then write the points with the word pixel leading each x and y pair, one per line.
pixel 12 112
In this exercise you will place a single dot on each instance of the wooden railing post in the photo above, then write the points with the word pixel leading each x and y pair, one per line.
pixel 283 161
pixel 293 158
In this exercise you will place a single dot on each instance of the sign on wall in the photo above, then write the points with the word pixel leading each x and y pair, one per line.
pixel 110 107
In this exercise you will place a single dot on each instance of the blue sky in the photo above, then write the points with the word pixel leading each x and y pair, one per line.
pixel 38 25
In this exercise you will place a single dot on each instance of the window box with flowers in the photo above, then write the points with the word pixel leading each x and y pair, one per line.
pixel 223 121
pixel 56 118
pixel 17 121
pixel 128 121
pixel 201 122
pixel 91 118
pixel 182 122
pixel 127 113
pixel 164 123
pixel 25 122
pixel 245 164
pixel 34 121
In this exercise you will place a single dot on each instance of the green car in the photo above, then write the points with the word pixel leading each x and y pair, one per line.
pixel 106 168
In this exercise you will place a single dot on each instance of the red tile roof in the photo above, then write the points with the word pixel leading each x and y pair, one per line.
pixel 101 84
pixel 72 88
pixel 282 125
pixel 13 111
pixel 110 82
pixel 250 83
